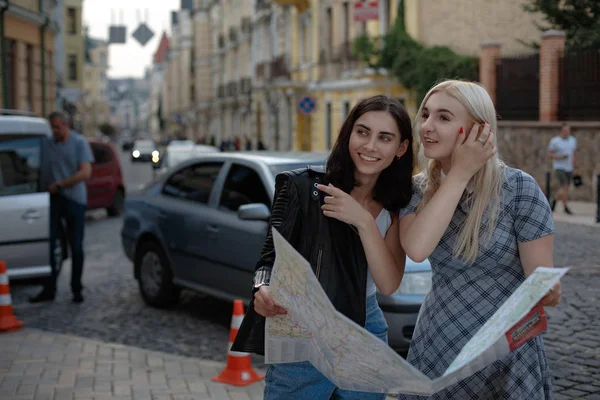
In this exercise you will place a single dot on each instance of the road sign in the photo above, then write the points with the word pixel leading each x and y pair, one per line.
pixel 117 34
pixel 143 34
pixel 307 105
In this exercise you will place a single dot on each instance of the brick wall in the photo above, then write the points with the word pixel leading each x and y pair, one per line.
pixel 463 24
pixel 524 145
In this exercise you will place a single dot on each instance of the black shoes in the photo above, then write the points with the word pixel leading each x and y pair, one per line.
pixel 553 205
pixel 43 296
pixel 77 298
pixel 567 211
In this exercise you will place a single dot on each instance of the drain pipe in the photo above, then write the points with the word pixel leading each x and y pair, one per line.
pixel 43 53
pixel 5 98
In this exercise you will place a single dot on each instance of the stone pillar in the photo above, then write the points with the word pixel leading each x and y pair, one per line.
pixel 552 48
pixel 489 54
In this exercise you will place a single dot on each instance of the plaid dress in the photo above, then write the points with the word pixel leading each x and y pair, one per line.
pixel 463 297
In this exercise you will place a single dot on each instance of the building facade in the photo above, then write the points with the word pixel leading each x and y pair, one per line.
pixel 94 103
pixel 27 49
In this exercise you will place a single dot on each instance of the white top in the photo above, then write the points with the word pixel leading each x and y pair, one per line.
pixel 563 147
pixel 383 221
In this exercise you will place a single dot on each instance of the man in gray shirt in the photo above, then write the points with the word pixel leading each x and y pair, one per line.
pixel 67 164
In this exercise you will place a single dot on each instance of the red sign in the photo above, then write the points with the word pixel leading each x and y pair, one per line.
pixel 366 10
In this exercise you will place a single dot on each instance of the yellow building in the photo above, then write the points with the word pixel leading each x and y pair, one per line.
pixel 94 102
pixel 74 50
pixel 26 52
pixel 324 79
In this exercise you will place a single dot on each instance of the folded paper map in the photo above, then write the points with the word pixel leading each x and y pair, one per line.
pixel 354 359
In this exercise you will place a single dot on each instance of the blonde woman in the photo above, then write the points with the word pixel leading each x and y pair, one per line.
pixel 484 227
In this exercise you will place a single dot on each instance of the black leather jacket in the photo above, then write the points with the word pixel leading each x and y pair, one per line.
pixel 332 247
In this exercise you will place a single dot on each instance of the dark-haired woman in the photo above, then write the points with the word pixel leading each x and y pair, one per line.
pixel 344 222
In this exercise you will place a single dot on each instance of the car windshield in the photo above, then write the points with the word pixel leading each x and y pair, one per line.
pixel 144 144
pixel 277 168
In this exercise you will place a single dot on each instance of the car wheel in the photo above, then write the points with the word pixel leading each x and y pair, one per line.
pixel 117 205
pixel 155 277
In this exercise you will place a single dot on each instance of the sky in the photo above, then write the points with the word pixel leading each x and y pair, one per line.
pixel 129 59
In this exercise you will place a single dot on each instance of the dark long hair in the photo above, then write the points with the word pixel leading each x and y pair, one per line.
pixel 393 188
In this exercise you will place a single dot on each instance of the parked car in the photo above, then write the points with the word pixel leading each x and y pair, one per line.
pixel 105 188
pixel 175 154
pixel 24 199
pixel 144 150
pixel 202 226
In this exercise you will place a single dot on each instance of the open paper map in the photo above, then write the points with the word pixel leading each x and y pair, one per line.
pixel 354 359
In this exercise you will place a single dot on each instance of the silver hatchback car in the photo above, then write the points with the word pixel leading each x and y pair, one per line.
pixel 202 226
pixel 24 200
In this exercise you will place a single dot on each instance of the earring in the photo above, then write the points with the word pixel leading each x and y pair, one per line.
pixel 397 157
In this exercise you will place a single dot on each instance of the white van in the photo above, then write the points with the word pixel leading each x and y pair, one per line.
pixel 24 199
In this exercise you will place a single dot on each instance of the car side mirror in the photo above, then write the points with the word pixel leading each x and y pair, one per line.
pixel 254 212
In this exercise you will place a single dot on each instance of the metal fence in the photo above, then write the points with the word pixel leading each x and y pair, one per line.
pixel 518 87
pixel 579 86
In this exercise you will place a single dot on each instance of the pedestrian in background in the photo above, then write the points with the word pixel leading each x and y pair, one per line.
pixel 562 149
pixel 348 232
pixel 484 228
pixel 67 164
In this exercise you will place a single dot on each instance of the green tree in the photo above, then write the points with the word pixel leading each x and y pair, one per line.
pixel 416 66
pixel 107 129
pixel 579 19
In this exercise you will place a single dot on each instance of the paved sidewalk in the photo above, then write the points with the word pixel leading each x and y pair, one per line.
pixel 584 213
pixel 45 366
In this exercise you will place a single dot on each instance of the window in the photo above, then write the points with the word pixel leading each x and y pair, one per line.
pixel 72 65
pixel 19 165
pixel 346 109
pixel 346 24
pixel 193 183
pixel 11 73
pixel 71 21
pixel 102 154
pixel 30 76
pixel 243 186
pixel 329 24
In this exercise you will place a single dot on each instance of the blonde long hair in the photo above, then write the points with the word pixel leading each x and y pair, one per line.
pixel 486 183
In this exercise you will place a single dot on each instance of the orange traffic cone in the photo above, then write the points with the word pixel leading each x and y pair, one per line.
pixel 8 322
pixel 238 371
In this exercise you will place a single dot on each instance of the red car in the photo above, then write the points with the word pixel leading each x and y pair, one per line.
pixel 105 187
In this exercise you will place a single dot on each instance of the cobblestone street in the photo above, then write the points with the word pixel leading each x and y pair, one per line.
pixel 199 326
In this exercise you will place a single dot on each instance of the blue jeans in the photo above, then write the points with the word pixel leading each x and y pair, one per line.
pixel 303 381
pixel 67 222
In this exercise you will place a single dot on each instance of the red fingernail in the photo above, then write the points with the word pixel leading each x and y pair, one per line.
pixel 461 130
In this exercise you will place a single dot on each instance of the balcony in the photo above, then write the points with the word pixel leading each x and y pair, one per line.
pixel 279 68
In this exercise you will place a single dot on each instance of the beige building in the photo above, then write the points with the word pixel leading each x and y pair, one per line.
pixel 463 25
pixel 94 104
pixel 27 53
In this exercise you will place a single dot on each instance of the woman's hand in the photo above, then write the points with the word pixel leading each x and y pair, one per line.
pixel 553 297
pixel 340 205
pixel 264 304
pixel 473 151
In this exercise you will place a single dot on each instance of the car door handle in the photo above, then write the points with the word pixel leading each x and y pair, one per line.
pixel 212 229
pixel 31 214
